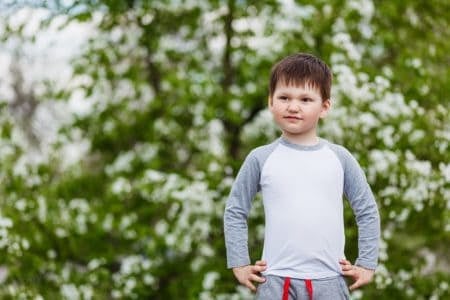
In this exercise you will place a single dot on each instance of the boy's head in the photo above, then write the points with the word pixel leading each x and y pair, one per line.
pixel 302 69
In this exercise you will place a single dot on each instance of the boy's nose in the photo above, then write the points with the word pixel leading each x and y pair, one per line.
pixel 293 107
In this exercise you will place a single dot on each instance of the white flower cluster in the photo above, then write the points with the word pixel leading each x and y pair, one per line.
pixel 191 215
pixel 208 283
pixel 135 272
pixel 241 293
pixel 70 291
pixel 5 223
pixel 262 125
pixel 72 216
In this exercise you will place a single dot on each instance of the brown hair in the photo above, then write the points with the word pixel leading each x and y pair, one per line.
pixel 301 69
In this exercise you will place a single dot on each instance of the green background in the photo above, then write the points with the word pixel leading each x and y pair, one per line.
pixel 177 94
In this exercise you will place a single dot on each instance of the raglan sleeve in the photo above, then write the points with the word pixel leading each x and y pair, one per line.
pixel 365 209
pixel 237 209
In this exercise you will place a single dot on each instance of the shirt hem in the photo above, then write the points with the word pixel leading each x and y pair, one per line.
pixel 297 275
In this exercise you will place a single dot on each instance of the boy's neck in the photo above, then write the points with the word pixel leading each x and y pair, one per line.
pixel 302 140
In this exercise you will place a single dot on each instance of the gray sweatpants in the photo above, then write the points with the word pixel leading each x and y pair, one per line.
pixel 280 288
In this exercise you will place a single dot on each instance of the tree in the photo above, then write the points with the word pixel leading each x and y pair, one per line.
pixel 177 95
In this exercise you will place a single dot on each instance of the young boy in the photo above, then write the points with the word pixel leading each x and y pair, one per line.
pixel 302 179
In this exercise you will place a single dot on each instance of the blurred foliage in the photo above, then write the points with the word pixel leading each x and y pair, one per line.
pixel 177 92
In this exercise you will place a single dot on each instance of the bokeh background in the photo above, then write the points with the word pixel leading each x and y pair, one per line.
pixel 123 124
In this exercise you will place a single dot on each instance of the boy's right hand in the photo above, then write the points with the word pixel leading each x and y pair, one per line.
pixel 250 273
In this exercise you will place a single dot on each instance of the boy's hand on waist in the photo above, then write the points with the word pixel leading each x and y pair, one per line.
pixel 361 276
pixel 246 275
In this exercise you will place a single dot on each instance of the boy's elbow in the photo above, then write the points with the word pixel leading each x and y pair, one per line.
pixel 368 214
pixel 234 214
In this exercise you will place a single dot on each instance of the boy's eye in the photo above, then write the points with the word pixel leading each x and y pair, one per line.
pixel 284 98
pixel 307 100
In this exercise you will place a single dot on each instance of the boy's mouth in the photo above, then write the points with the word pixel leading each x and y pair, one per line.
pixel 292 118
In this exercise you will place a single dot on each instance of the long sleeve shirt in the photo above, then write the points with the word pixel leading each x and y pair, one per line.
pixel 302 190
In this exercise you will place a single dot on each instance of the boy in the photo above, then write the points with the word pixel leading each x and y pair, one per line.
pixel 302 179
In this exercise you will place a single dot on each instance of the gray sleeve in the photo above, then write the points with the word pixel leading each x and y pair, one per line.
pixel 362 201
pixel 237 210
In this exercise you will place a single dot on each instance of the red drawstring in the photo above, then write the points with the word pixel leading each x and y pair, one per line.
pixel 309 288
pixel 287 283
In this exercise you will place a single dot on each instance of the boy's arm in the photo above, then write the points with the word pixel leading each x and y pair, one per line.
pixel 237 210
pixel 362 201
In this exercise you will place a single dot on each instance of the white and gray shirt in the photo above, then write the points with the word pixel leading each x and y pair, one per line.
pixel 302 190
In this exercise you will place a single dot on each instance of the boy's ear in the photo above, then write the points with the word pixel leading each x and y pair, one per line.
pixel 269 101
pixel 326 105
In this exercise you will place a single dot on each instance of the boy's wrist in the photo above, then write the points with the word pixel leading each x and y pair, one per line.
pixel 240 262
pixel 239 267
pixel 366 264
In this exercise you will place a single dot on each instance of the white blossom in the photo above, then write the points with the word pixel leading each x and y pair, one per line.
pixel 20 204
pixel 61 232
pixel 197 263
pixel 4 238
pixel 70 292
pixel 382 160
pixel 206 250
pixel 423 168
pixel 445 171
pixel 364 7
pixel 343 40
pixel 121 164
pixel 3 274
pixel 149 279
pixel 382 277
pixel 130 264
pixel 87 292
pixel 120 186
pixel 262 124
pixel 51 253
pixel 235 105
pixel 25 244
pixel 209 280
pixel 215 143
pixel 5 222
pixel 95 263
pixel 416 135
pixel 161 227
pixel 154 176
pixel 130 284
pixel 127 220
pixel 170 239
pixel 108 222
pixel 42 209
pixel 79 204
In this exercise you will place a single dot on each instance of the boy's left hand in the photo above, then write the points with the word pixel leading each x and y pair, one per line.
pixel 360 276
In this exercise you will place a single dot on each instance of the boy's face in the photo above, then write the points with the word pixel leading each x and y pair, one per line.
pixel 297 109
